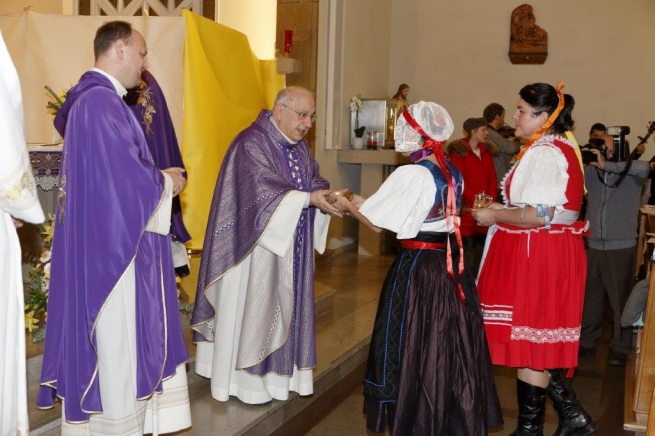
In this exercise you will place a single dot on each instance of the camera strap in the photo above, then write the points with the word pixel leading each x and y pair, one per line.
pixel 622 174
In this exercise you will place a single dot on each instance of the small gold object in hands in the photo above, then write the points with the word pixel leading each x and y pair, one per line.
pixel 345 193
pixel 482 200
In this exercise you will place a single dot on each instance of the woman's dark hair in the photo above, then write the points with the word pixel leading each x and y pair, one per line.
pixel 109 33
pixel 543 98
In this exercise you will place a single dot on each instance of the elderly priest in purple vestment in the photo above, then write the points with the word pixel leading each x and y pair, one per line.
pixel 254 311
pixel 114 352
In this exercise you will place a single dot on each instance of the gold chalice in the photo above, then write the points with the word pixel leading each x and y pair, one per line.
pixel 342 193
pixel 482 200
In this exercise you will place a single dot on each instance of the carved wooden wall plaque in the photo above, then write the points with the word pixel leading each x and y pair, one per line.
pixel 528 43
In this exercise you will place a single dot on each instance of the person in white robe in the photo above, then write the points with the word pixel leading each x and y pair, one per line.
pixel 18 201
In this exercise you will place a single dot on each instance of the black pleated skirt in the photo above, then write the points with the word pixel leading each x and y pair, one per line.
pixel 429 371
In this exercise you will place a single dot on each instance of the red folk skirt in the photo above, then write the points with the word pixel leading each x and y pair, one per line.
pixel 531 288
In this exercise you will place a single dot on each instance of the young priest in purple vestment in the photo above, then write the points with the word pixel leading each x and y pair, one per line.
pixel 254 311
pixel 114 351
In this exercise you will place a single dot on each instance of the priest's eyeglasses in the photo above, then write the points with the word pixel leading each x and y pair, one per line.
pixel 302 115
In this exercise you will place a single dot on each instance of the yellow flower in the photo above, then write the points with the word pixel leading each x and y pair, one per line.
pixel 30 321
pixel 48 229
pixel 45 256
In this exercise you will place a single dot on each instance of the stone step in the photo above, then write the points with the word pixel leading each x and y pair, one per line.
pixel 43 422
pixel 323 298
pixel 237 418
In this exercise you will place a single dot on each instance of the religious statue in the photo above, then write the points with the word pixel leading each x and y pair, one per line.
pixel 528 43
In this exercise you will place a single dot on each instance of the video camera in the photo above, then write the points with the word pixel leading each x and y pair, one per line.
pixel 621 146
pixel 594 143
pixel 621 152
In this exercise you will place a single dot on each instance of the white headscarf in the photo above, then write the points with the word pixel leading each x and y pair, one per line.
pixel 432 119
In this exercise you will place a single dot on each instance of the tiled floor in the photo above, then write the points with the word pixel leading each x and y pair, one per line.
pixel 344 333
pixel 599 386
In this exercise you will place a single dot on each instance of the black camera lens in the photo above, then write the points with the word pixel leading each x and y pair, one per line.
pixel 588 157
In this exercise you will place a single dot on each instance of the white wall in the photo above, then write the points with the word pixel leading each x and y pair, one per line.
pixel 455 53
pixel 365 69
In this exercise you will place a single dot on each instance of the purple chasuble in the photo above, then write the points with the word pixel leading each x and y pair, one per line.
pixel 148 104
pixel 260 167
pixel 109 190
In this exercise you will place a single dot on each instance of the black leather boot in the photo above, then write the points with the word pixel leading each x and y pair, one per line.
pixel 532 409
pixel 573 419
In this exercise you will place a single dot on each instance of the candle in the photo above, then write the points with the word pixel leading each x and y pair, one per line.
pixel 288 36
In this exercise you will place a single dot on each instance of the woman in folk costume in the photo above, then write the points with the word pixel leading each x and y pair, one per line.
pixel 429 371
pixel 532 279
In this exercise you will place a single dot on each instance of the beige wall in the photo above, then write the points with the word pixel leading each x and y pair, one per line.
pixel 40 6
pixel 365 61
pixel 455 53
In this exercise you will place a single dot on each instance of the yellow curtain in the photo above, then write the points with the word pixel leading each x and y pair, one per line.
pixel 225 88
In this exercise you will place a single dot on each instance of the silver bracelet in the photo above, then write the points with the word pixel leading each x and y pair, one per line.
pixel 542 211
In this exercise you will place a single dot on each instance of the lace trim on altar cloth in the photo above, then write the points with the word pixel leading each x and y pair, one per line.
pixel 45 167
pixel 18 189
pixel 545 336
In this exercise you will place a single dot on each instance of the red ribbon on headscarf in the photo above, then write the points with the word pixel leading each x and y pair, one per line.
pixel 451 204
pixel 549 122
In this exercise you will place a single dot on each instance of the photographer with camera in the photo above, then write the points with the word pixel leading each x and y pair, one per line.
pixel 614 182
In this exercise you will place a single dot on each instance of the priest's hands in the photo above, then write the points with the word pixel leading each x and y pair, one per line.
pixel 319 199
pixel 179 182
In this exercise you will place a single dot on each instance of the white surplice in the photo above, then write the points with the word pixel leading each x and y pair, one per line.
pixel 233 343
pixel 18 198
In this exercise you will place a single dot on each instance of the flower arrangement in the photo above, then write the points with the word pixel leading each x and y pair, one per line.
pixel 36 299
pixel 356 106
pixel 56 101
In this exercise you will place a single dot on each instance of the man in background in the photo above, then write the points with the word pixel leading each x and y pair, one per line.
pixel 18 201
pixel 114 331
pixel 598 130
pixel 612 211
pixel 503 149
pixel 254 311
